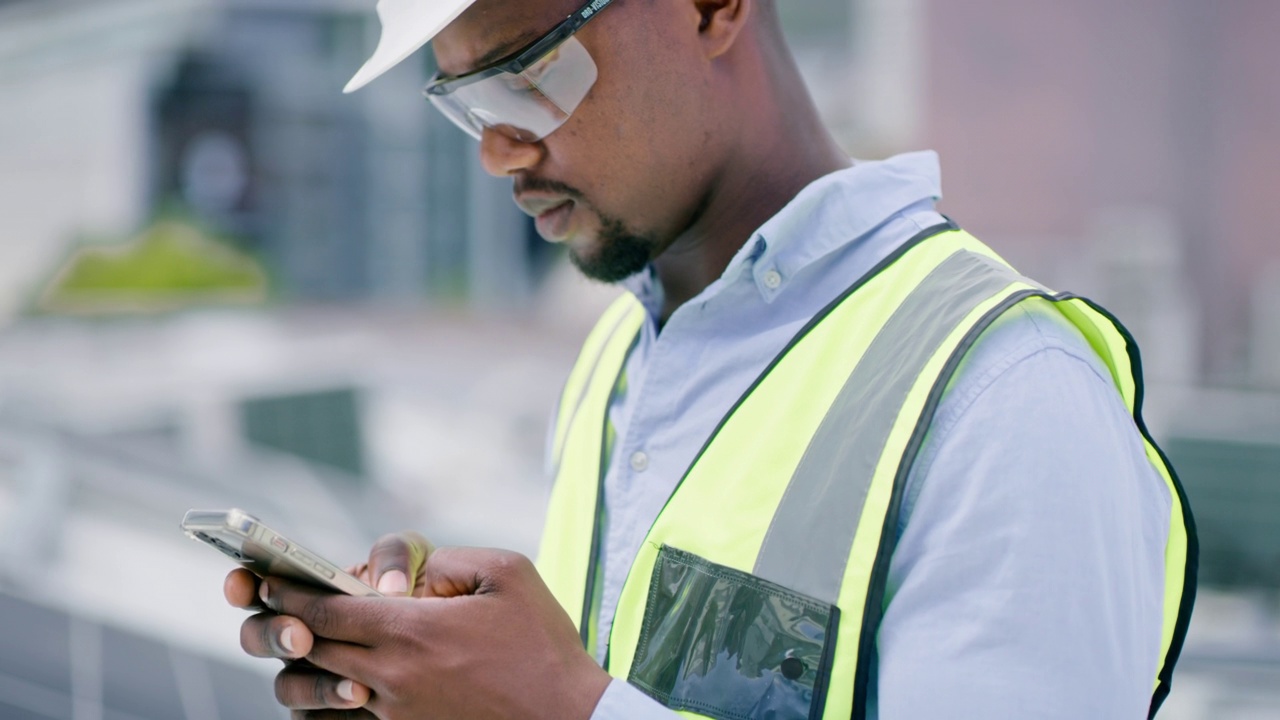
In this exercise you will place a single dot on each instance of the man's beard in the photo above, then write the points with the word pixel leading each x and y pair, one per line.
pixel 620 253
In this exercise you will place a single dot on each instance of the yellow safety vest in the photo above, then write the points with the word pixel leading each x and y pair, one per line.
pixel 759 589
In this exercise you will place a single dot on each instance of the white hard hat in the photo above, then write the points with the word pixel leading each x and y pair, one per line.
pixel 407 25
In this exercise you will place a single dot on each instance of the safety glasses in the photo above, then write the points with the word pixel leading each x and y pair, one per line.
pixel 528 95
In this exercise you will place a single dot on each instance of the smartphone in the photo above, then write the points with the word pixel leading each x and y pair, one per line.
pixel 246 540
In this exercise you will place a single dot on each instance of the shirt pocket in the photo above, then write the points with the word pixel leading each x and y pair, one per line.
pixel 725 644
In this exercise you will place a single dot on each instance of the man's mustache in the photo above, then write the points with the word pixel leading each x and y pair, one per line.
pixel 526 184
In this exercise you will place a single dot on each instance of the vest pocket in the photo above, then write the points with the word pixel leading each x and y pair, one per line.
pixel 726 644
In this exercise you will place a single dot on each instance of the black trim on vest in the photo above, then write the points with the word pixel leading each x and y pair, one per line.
pixel 1191 574
pixel 823 683
pixel 874 609
pixel 593 562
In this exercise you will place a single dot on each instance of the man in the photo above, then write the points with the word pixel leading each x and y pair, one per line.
pixel 830 457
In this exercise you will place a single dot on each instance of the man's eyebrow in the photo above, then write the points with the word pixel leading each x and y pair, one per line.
pixel 505 49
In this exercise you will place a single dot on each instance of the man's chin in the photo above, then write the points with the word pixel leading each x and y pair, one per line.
pixel 611 262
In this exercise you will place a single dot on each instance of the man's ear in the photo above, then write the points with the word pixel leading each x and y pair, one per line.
pixel 721 22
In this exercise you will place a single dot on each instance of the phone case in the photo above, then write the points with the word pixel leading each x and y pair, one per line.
pixel 265 552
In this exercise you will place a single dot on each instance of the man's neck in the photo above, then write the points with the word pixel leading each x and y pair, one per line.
pixel 780 146
pixel 752 188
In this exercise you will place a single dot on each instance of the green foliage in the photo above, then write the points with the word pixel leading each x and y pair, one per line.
pixel 170 256
pixel 171 264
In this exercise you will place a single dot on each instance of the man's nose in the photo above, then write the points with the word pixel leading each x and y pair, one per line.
pixel 502 156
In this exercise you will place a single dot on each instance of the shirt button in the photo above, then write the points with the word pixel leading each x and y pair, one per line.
pixel 773 280
pixel 639 462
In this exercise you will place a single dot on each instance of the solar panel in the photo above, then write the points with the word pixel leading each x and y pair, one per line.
pixel 32 698
pixel 139 678
pixel 1234 491
pixel 35 645
pixel 323 427
pixel 242 694
pixel 9 712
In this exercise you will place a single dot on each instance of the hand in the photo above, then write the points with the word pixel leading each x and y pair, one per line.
pixel 481 638
pixel 332 697
pixel 397 561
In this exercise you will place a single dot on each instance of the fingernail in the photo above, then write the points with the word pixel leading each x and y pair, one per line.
pixel 393 582
pixel 263 593
pixel 347 691
pixel 286 639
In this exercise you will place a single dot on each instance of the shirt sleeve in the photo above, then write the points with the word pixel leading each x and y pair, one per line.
pixel 1028 579
pixel 625 702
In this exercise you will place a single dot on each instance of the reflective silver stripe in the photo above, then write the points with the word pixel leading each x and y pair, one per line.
pixel 812 532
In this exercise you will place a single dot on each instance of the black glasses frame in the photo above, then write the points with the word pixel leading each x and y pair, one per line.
pixel 521 60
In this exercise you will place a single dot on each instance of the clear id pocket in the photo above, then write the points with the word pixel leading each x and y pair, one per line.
pixel 726 644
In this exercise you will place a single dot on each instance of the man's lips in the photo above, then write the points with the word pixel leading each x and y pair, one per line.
pixel 538 205
pixel 553 214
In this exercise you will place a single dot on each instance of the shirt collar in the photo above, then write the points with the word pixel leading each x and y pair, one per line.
pixel 830 213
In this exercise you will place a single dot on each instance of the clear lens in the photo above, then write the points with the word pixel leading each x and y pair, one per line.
pixel 528 106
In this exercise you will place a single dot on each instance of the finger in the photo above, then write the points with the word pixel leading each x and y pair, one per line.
pixel 275 636
pixel 327 614
pixel 360 714
pixel 455 571
pixel 344 660
pixel 241 589
pixel 395 561
pixel 306 689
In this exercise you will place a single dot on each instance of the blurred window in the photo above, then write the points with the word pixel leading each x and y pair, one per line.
pixel 822 22
pixel 215 173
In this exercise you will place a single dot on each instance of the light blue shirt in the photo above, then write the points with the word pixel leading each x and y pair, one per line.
pixel 1028 579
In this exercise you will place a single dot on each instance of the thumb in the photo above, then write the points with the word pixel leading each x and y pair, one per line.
pixel 396 562
pixel 456 571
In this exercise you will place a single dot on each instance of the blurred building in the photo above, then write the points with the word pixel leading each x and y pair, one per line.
pixel 1127 151
pixel 232 109
pixel 1122 150
pixel 1072 129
